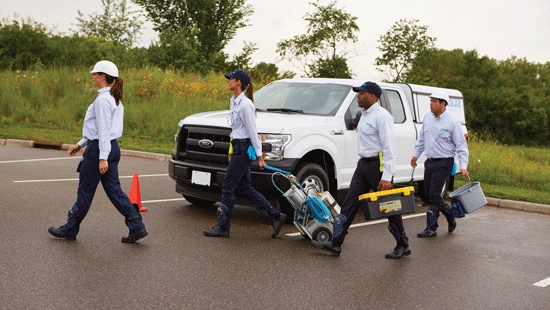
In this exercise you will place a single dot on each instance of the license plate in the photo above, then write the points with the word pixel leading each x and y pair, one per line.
pixel 200 177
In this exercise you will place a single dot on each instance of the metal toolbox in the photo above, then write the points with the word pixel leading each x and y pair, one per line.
pixel 386 203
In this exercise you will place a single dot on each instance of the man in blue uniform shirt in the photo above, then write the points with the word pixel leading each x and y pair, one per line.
pixel 375 136
pixel 440 138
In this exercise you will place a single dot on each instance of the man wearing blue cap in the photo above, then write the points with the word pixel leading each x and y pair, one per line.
pixel 375 137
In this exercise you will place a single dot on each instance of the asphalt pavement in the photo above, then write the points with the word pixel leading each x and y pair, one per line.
pixel 497 258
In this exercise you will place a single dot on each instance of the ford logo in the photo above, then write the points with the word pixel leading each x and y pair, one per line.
pixel 205 143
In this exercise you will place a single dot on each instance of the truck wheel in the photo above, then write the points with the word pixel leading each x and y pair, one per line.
pixel 321 234
pixel 309 175
pixel 313 175
pixel 199 202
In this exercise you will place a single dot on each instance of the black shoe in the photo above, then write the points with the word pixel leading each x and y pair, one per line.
pixel 399 252
pixel 427 233
pixel 135 236
pixel 60 232
pixel 452 225
pixel 277 224
pixel 332 249
pixel 216 231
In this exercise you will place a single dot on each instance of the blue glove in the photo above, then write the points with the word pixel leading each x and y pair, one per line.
pixel 251 153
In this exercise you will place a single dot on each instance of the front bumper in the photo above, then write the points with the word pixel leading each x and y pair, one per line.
pixel 262 180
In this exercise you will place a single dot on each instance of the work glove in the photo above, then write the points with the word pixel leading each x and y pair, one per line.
pixel 251 153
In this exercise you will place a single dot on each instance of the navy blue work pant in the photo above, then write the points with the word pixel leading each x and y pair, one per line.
pixel 436 173
pixel 237 180
pixel 366 177
pixel 89 179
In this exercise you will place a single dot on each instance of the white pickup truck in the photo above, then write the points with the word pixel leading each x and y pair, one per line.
pixel 308 128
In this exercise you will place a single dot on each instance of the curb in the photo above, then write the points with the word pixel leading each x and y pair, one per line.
pixel 63 146
pixel 494 202
pixel 518 205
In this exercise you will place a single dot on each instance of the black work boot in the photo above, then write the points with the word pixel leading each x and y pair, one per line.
pixel 60 232
pixel 216 231
pixel 278 224
pixel 427 233
pixel 398 252
pixel 135 236
pixel 332 248
pixel 402 247
pixel 450 218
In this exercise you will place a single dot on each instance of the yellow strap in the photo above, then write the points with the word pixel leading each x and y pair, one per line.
pixel 230 147
pixel 380 155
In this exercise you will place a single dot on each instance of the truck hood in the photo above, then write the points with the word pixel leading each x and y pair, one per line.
pixel 266 122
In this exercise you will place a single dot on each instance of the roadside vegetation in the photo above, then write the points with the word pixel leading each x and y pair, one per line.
pixel 50 105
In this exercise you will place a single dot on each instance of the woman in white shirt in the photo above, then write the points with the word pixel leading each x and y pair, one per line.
pixel 246 147
pixel 102 127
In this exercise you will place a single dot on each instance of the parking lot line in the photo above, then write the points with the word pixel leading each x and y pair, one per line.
pixel 36 159
pixel 162 200
pixel 76 179
pixel 543 283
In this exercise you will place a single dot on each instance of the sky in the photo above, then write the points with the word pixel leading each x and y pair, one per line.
pixel 498 29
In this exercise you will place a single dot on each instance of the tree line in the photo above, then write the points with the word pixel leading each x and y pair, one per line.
pixel 505 100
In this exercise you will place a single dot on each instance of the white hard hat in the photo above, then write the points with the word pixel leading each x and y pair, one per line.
pixel 106 67
pixel 440 96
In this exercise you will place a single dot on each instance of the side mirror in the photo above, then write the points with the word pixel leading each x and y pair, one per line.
pixel 352 124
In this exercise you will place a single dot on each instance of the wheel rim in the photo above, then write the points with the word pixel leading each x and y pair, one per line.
pixel 315 182
pixel 323 236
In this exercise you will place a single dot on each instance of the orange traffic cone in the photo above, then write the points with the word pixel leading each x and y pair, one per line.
pixel 135 196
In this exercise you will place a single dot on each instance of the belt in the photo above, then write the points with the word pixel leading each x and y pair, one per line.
pixel 97 140
pixel 438 159
pixel 237 141
pixel 369 159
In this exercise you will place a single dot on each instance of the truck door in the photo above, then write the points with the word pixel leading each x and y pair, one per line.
pixel 350 156
pixel 404 132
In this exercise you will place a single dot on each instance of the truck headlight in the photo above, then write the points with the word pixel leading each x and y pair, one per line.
pixel 277 143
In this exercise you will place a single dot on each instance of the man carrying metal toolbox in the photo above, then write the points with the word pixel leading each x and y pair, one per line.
pixel 374 171
pixel 440 138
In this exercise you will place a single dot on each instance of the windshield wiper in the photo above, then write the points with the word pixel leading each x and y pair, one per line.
pixel 285 110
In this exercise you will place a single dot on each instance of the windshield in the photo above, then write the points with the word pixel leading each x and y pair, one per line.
pixel 304 98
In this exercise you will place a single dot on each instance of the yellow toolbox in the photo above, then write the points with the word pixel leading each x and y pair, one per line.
pixel 386 203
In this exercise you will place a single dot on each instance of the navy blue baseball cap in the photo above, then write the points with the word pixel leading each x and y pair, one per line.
pixel 239 75
pixel 369 87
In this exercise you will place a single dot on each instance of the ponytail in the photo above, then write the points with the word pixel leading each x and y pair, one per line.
pixel 116 89
pixel 249 91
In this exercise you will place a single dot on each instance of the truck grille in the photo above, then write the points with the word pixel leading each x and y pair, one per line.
pixel 189 148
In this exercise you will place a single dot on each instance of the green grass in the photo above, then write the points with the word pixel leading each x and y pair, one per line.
pixel 50 106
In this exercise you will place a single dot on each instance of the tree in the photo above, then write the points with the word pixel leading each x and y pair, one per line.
pixel 22 43
pixel 242 61
pixel 504 100
pixel 328 29
pixel 117 23
pixel 400 45
pixel 206 25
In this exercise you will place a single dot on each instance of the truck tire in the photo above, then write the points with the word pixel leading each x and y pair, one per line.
pixel 309 175
pixel 313 175
pixel 199 202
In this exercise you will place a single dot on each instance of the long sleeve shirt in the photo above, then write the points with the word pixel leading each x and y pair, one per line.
pixel 103 122
pixel 442 137
pixel 243 121
pixel 375 134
